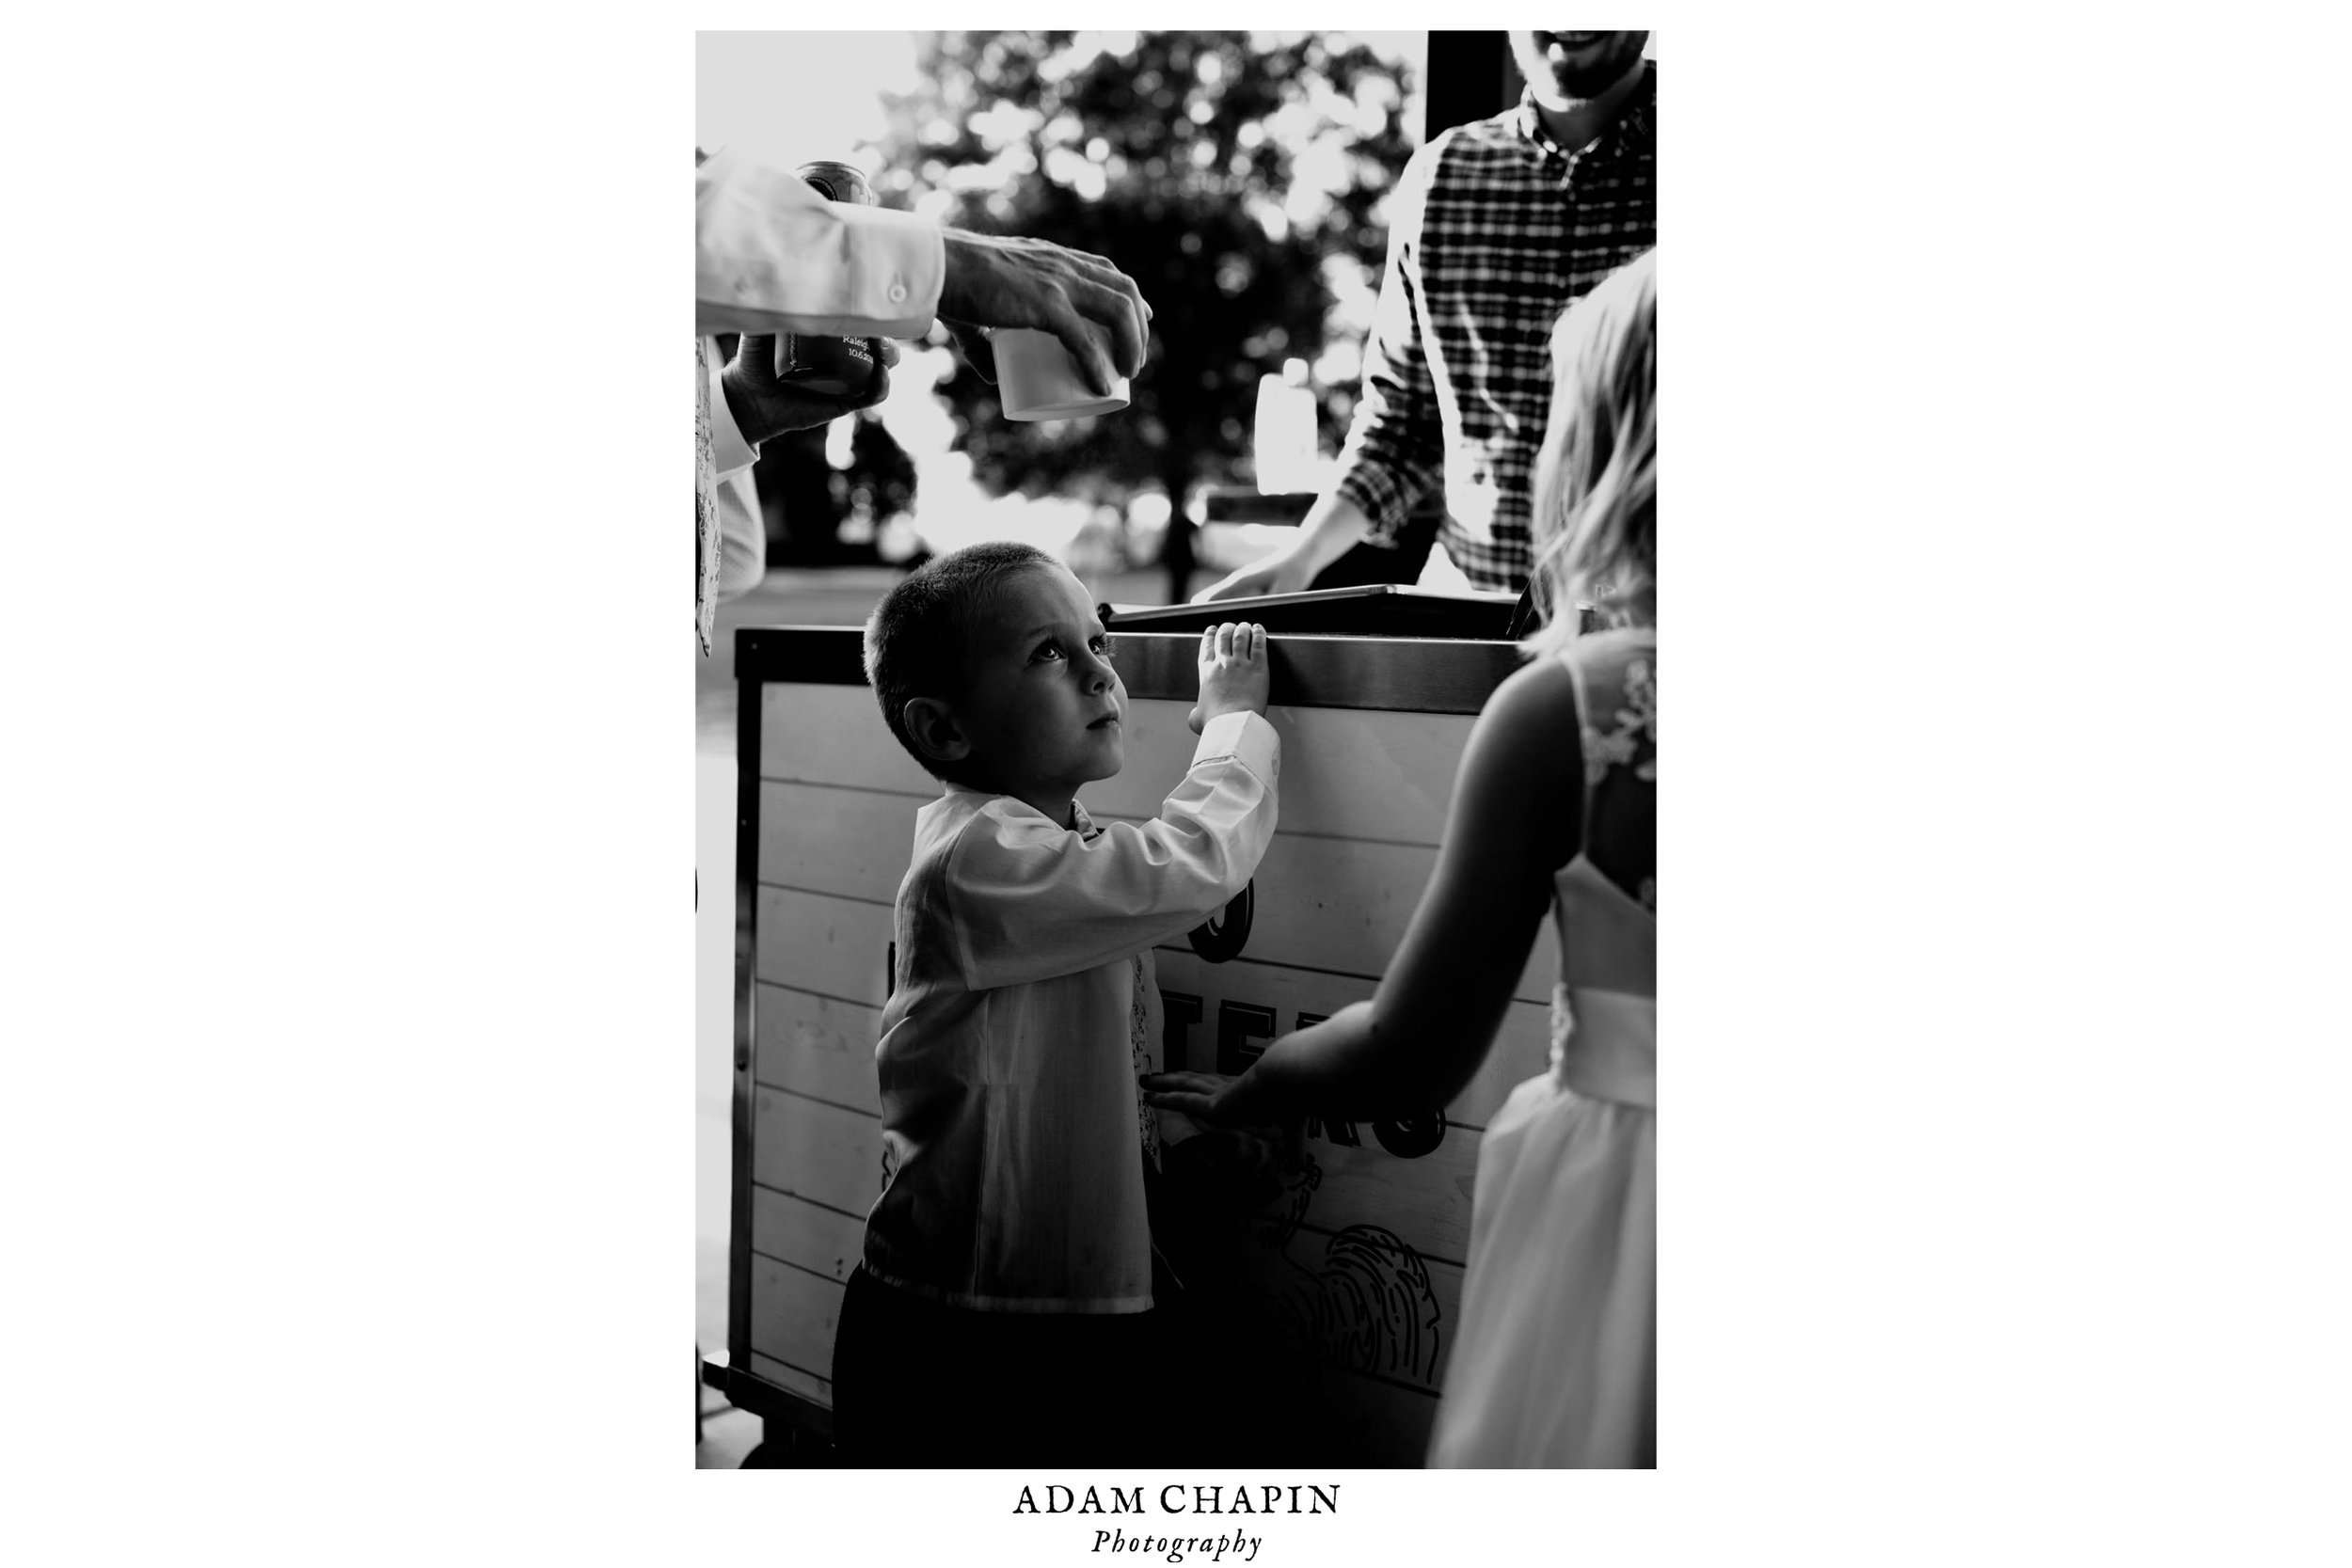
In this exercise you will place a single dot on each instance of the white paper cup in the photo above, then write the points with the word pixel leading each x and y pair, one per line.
pixel 1036 378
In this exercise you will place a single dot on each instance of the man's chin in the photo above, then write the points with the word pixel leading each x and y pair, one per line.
pixel 1579 85
pixel 1583 74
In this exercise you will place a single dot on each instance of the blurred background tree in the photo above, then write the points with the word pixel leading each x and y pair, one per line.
pixel 1235 176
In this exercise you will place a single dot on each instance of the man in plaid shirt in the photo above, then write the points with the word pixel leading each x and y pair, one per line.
pixel 1496 226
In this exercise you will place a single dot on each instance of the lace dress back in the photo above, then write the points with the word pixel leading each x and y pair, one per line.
pixel 1605 899
pixel 1555 1356
pixel 1616 698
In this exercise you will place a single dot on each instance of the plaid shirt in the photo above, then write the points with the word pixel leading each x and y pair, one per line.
pixel 1497 229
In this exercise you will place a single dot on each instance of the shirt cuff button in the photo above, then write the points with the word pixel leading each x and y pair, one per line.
pixel 897 292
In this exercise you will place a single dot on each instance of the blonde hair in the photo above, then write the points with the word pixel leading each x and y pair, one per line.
pixel 1596 514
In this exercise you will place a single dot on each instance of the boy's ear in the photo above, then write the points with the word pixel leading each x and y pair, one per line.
pixel 933 724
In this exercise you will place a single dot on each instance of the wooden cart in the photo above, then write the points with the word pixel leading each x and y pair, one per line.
pixel 1345 1278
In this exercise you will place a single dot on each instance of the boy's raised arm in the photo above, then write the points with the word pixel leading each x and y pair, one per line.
pixel 1032 901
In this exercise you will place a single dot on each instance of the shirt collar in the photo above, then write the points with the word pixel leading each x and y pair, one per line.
pixel 1634 125
pixel 1080 821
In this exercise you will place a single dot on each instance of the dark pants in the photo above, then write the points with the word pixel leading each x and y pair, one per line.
pixel 916 1382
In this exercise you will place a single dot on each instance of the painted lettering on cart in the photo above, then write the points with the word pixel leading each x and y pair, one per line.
pixel 1237 1025
pixel 1341 1133
pixel 1410 1137
pixel 1217 940
pixel 1179 1012
pixel 1242 1027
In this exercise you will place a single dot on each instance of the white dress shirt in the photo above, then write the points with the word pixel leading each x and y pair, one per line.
pixel 771 255
pixel 742 531
pixel 1008 1084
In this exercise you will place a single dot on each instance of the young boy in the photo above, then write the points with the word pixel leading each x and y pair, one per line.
pixel 1002 1313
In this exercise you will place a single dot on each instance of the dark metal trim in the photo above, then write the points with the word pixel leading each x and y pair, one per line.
pixel 815 656
pixel 747 741
pixel 1382 673
pixel 747 1390
pixel 1361 610
pixel 1395 675
pixel 1249 607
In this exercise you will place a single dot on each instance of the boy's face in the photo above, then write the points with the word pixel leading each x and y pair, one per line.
pixel 1044 711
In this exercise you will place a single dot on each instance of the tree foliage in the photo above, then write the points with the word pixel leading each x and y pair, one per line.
pixel 1223 172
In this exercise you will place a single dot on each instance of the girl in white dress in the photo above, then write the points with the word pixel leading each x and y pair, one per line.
pixel 1554 1357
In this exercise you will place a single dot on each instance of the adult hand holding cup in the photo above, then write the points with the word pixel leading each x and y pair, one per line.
pixel 1002 282
pixel 1036 379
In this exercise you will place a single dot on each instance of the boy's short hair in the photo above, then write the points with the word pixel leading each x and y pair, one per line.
pixel 918 640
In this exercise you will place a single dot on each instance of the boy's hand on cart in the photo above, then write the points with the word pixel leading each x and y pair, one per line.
pixel 1236 675
pixel 763 405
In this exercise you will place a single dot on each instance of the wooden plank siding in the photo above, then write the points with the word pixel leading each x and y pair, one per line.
pixel 1331 904
pixel 833 838
pixel 794 1316
pixel 826 946
pixel 821 1152
pixel 818 1390
pixel 795 1230
pixel 816 1046
pixel 1346 773
pixel 1351 1276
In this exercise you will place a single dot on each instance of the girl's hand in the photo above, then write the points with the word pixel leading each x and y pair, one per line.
pixel 1205 1097
pixel 1217 1100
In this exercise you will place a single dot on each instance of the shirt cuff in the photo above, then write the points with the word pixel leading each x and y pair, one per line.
pixel 906 257
pixel 1244 737
pixel 1384 496
pixel 729 451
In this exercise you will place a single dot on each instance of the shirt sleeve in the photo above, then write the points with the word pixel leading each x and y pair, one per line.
pixel 771 255
pixel 729 451
pixel 1028 899
pixel 742 536
pixel 1396 448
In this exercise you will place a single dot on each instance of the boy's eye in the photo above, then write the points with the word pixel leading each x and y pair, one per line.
pixel 1052 648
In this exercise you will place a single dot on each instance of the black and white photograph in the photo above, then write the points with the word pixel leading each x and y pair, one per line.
pixel 1180 705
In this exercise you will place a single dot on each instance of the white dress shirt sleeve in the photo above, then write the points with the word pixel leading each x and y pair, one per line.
pixel 729 451
pixel 770 255
pixel 1028 899
pixel 742 536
